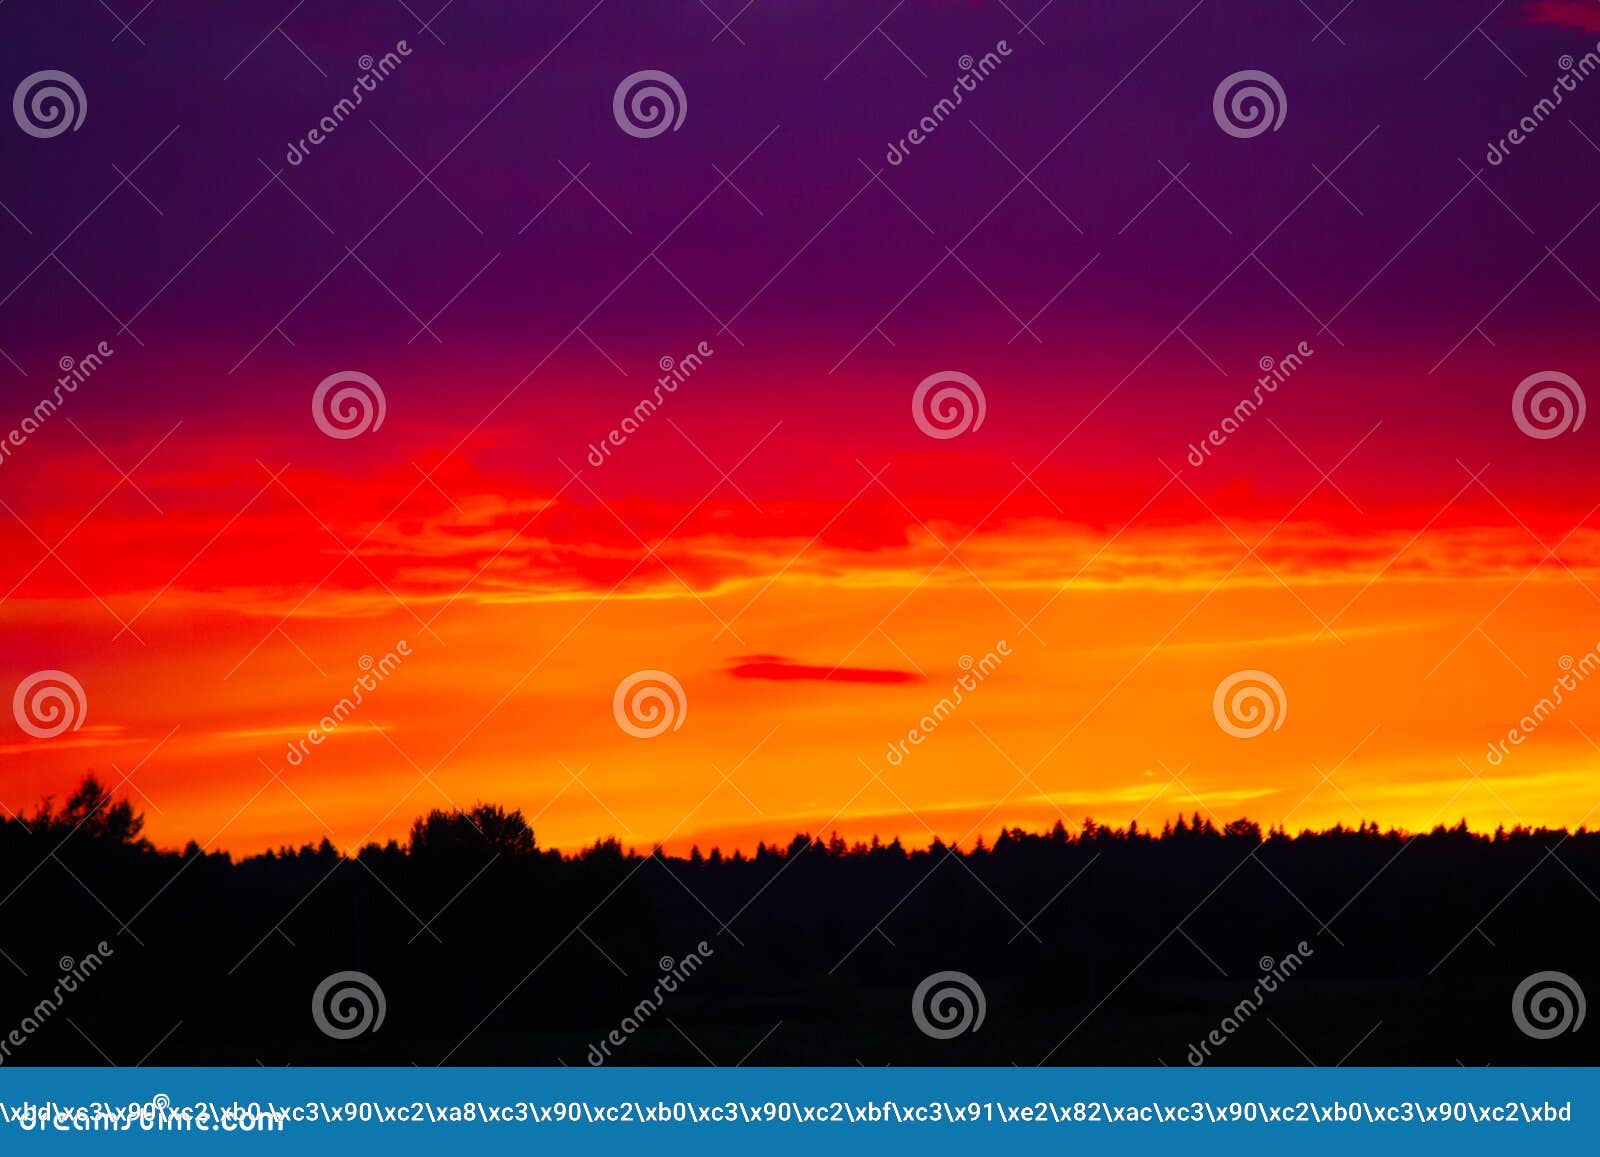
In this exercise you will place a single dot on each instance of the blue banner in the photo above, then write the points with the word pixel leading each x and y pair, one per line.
pixel 1128 1111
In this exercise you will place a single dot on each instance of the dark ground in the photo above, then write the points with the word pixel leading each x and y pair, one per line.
pixel 1135 948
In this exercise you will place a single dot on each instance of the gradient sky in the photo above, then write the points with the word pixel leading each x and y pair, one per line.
pixel 1414 601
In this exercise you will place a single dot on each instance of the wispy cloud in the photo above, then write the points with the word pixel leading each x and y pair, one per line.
pixel 92 735
pixel 776 667
pixel 1568 13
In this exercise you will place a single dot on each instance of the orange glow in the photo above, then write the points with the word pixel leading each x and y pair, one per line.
pixel 1403 657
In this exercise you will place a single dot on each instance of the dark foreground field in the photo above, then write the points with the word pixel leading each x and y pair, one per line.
pixel 1084 948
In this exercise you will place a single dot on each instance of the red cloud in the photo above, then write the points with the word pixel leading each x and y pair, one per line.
pixel 1583 14
pixel 776 667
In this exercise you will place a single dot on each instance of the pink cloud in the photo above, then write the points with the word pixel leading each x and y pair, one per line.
pixel 1584 14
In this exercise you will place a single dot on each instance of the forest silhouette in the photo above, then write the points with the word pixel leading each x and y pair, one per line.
pixel 1091 946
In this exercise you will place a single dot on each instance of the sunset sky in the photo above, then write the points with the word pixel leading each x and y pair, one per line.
pixel 780 536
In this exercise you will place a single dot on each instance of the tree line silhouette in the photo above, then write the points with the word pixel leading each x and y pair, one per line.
pixel 1099 945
